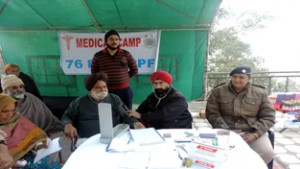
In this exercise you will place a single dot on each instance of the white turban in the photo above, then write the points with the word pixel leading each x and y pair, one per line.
pixel 10 80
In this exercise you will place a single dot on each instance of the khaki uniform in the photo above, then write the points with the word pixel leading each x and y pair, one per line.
pixel 250 111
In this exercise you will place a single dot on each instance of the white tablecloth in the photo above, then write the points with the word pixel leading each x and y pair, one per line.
pixel 92 154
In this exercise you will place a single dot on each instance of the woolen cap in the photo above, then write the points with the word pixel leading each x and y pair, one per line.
pixel 162 75
pixel 109 33
pixel 6 100
pixel 10 80
pixel 241 70
pixel 92 79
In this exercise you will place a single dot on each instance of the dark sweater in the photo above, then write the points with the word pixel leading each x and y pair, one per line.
pixel 169 112
pixel 83 114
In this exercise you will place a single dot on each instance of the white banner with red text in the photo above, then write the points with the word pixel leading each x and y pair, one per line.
pixel 78 49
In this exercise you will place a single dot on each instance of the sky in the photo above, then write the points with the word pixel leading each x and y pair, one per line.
pixel 278 43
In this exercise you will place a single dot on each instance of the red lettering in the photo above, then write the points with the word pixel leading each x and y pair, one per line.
pixel 138 41
pixel 90 43
pixel 98 42
pixel 130 42
pixel 125 43
pixel 85 41
pixel 79 43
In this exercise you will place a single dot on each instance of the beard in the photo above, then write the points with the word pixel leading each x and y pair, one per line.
pixel 17 95
pixel 111 47
pixel 161 92
pixel 98 96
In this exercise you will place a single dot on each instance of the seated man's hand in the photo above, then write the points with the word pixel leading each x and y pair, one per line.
pixel 249 137
pixel 138 125
pixel 40 145
pixel 70 131
pixel 134 114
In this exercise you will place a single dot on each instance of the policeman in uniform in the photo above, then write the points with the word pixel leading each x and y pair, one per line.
pixel 244 107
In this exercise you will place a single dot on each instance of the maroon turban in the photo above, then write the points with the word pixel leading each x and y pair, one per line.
pixel 92 79
pixel 162 75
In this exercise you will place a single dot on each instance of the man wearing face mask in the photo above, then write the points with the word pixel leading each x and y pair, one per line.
pixel 166 107
pixel 81 118
pixel 30 106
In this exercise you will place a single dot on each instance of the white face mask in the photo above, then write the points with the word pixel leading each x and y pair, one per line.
pixel 98 96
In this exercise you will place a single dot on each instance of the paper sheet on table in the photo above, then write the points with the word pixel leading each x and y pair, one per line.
pixel 164 160
pixel 121 144
pixel 54 146
pixel 135 160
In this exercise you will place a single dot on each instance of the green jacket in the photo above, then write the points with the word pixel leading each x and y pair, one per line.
pixel 249 110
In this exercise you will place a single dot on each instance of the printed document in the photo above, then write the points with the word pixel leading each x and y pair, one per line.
pixel 53 146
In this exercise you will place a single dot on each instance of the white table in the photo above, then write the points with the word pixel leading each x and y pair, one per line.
pixel 92 153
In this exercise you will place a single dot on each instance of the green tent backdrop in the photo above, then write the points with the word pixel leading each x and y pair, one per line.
pixel 29 37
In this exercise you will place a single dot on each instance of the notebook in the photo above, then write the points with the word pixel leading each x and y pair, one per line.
pixel 146 136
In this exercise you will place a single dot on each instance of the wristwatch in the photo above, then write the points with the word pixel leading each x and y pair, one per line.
pixel 3 142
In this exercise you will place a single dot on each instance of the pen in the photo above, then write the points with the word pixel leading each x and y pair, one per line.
pixel 130 137
pixel 189 134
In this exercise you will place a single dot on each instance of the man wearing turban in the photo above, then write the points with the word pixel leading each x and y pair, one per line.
pixel 81 119
pixel 166 107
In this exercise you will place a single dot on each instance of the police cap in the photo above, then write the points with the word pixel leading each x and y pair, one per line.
pixel 241 70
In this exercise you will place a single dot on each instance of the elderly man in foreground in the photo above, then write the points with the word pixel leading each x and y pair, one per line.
pixel 81 119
